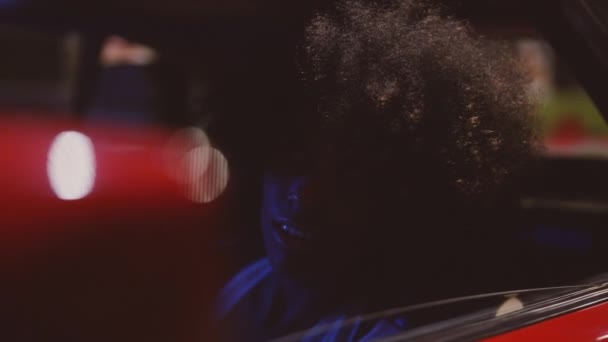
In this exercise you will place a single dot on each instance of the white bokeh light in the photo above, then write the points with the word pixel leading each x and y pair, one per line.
pixel 200 169
pixel 71 165
pixel 187 154
pixel 208 183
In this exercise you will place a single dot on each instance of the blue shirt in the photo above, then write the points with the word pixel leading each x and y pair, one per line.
pixel 245 309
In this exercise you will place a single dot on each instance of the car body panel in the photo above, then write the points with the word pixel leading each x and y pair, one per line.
pixel 588 324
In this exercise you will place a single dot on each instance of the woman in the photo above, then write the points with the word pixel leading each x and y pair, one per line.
pixel 403 122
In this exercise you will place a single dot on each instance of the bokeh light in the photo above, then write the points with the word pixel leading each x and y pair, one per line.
pixel 199 168
pixel 210 184
pixel 71 165
pixel 187 153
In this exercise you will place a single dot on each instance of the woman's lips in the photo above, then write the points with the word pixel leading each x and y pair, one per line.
pixel 292 235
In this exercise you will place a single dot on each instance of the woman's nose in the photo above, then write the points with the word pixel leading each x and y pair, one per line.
pixel 293 202
pixel 301 195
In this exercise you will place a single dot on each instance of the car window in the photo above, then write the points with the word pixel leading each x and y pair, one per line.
pixel 599 8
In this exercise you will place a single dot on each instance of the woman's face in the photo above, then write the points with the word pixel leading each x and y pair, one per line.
pixel 312 225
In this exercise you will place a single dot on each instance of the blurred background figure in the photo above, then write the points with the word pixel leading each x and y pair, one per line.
pixel 537 59
pixel 567 115
pixel 125 90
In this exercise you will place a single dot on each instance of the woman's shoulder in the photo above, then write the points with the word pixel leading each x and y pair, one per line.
pixel 242 284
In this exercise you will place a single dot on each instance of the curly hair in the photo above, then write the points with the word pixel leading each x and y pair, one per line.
pixel 415 97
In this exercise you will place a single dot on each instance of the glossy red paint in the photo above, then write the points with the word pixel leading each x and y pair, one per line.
pixel 590 324
pixel 133 183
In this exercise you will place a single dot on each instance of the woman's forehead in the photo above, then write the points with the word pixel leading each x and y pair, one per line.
pixel 303 160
